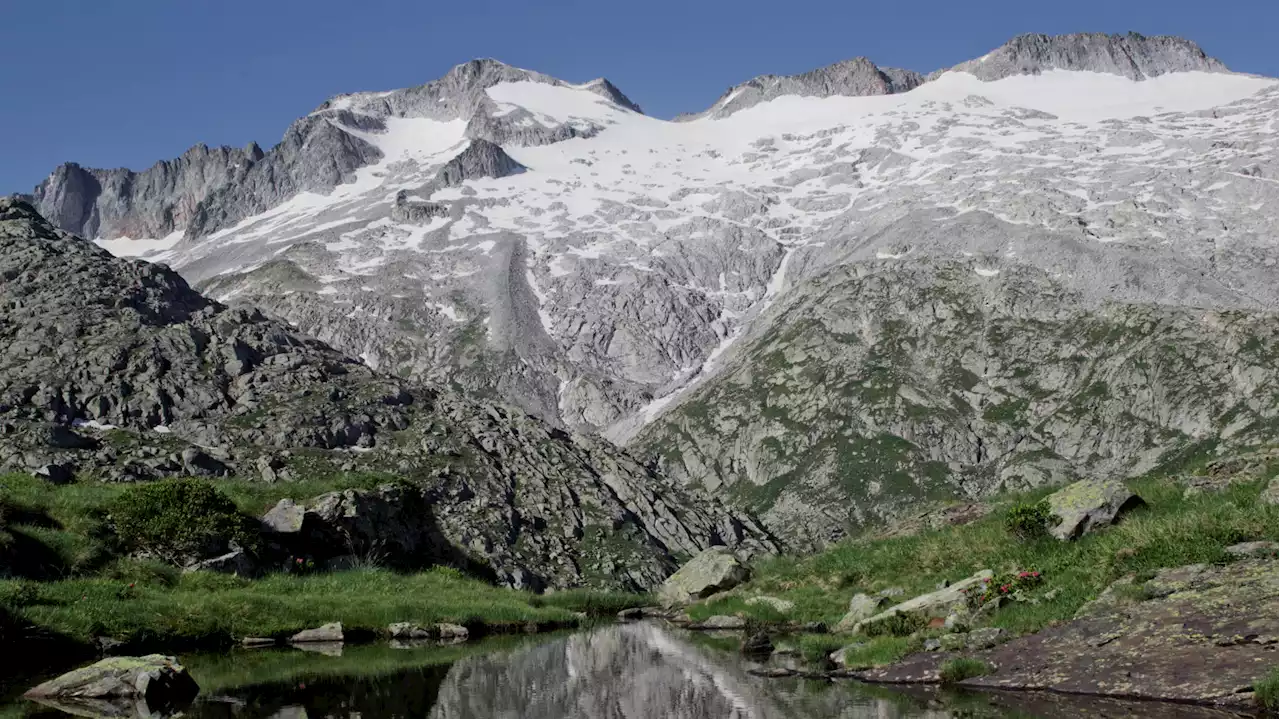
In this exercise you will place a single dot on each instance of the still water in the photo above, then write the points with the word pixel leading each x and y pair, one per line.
pixel 629 671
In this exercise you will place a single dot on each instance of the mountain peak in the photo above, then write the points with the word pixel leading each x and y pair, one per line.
pixel 1130 55
pixel 854 77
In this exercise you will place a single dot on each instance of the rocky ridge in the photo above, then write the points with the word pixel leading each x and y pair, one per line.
pixel 881 385
pixel 116 369
pixel 601 287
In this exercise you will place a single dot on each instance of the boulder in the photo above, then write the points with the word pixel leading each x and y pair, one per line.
pixel 712 570
pixel 158 680
pixel 721 621
pixel 1088 505
pixel 407 630
pixel 861 607
pixel 984 638
pixel 941 603
pixel 455 632
pixel 631 614
pixel 331 632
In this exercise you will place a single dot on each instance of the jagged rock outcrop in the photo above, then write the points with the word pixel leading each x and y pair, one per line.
pixel 1131 55
pixel 148 369
pixel 156 202
pixel 481 159
pixel 206 190
pixel 848 78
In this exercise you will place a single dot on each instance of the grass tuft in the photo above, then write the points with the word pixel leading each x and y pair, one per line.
pixel 1266 691
pixel 961 668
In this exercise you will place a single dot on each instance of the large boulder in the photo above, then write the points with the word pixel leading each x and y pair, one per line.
pixel 934 605
pixel 712 570
pixel 1089 504
pixel 861 606
pixel 158 680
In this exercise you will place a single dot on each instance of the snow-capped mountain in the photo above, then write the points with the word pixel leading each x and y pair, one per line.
pixel 548 244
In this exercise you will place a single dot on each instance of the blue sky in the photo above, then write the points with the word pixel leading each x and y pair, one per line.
pixel 110 83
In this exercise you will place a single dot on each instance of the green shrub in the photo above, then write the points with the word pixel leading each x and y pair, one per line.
pixel 1267 691
pixel 898 624
pixel 1030 521
pixel 961 668
pixel 179 521
pixel 1012 585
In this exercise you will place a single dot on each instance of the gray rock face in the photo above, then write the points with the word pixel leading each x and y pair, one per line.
pixel 1089 505
pixel 101 342
pixel 848 78
pixel 1130 55
pixel 152 203
pixel 926 380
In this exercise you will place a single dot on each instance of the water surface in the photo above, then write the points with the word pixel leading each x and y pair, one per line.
pixel 628 671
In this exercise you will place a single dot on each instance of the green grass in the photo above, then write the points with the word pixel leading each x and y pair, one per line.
pixel 961 668
pixel 878 651
pixel 1266 691
pixel 592 602
pixel 202 608
pixel 1171 531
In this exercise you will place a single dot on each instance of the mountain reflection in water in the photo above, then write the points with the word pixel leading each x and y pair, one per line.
pixel 627 671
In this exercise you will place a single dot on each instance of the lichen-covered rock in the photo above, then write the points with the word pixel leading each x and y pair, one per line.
pixel 712 570
pixel 1089 504
pixel 934 605
pixel 158 680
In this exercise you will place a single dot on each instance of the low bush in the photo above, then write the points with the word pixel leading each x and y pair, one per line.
pixel 179 521
pixel 961 668
pixel 1013 585
pixel 1030 521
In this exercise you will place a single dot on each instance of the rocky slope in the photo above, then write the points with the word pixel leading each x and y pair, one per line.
pixel 521 238
pixel 115 368
pixel 880 384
